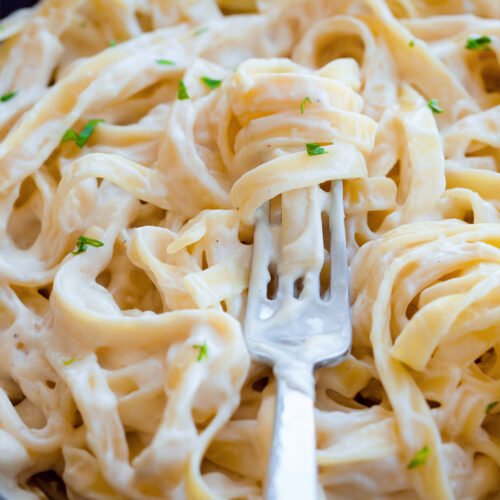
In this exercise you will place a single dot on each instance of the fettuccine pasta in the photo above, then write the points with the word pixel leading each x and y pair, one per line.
pixel 138 138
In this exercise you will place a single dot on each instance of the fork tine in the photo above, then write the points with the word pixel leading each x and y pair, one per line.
pixel 339 273
pixel 302 251
pixel 262 254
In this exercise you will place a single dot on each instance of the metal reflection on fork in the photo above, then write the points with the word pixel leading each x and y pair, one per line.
pixel 296 335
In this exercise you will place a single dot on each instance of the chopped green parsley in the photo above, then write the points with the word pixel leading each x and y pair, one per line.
pixel 491 406
pixel 200 31
pixel 67 362
pixel 7 97
pixel 315 149
pixel 420 458
pixel 81 140
pixel 213 84
pixel 478 43
pixel 164 61
pixel 83 241
pixel 434 105
pixel 182 92
pixel 69 135
pixel 202 351
pixel 302 106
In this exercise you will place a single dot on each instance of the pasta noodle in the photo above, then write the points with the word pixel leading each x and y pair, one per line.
pixel 137 140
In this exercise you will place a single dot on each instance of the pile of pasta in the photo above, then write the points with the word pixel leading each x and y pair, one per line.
pixel 137 140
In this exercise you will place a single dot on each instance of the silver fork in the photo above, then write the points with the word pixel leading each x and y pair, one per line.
pixel 296 335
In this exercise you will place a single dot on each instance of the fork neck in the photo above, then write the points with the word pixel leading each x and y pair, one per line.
pixel 297 375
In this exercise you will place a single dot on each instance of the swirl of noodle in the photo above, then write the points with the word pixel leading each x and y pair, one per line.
pixel 266 98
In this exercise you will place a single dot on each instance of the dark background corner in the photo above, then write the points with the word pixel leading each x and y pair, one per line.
pixel 8 6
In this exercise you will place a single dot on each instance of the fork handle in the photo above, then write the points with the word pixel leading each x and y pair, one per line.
pixel 293 471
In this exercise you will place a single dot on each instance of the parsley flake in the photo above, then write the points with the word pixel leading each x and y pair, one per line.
pixel 434 105
pixel 412 43
pixel 420 458
pixel 81 140
pixel 479 43
pixel 165 61
pixel 302 106
pixel 67 362
pixel 112 43
pixel 491 406
pixel 203 351
pixel 87 132
pixel 213 84
pixel 200 31
pixel 69 135
pixel 182 92
pixel 83 241
pixel 7 97
pixel 315 149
